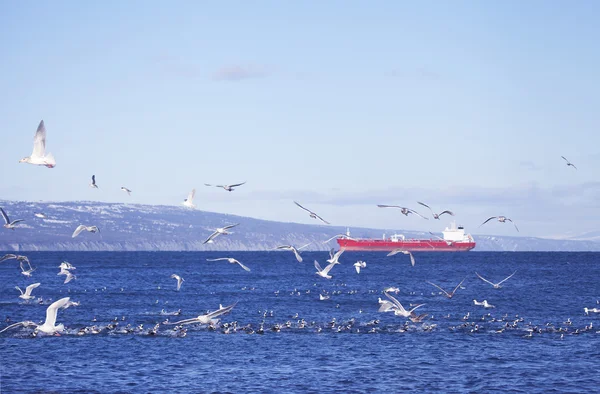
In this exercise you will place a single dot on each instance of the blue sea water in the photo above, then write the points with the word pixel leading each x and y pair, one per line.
pixel 362 350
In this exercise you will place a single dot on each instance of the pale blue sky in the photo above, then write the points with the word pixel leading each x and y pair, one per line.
pixel 339 105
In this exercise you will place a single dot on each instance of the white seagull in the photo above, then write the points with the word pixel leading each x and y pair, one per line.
pixel 403 210
pixel 338 236
pixel 451 294
pixel 483 303
pixel 189 201
pixel 209 317
pixel 324 272
pixel 126 190
pixel 7 223
pixel 436 215
pixel 396 251
pixel 179 280
pixel 19 258
pixel 496 285
pixel 39 156
pixel 312 214
pixel 501 219
pixel 219 231
pixel 359 264
pixel 93 183
pixel 231 260
pixel 49 326
pixel 27 294
pixel 229 188
pixel 333 257
pixel 398 308
pixel 81 227
pixel 39 215
pixel 293 249
pixel 69 277
pixel 569 163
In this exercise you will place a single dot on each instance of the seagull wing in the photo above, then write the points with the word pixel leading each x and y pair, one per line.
pixel 395 251
pixel 458 286
pixel 395 302
pixel 22 323
pixel 78 230
pixel 448 212
pixel 507 278
pixel 513 223
pixel 357 266
pixel 191 195
pixel 30 288
pixel 52 310
pixel 389 206
pixel 307 210
pixel 219 259
pixel 210 237
pixel 485 280
pixel 242 265
pixel 425 205
pixel 445 292
pixel 230 226
pixel 220 311
pixel 413 309
pixel 565 159
pixel 328 268
pixel 5 216
pixel 8 256
pixel 318 266
pixel 417 213
pixel 412 258
pixel 18 288
pixel 39 141
pixel 186 321
pixel 304 246
pixel 493 217
pixel 298 257
pixel 93 179
pixel 237 184
pixel 321 219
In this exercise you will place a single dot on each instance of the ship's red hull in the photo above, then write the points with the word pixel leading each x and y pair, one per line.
pixel 411 245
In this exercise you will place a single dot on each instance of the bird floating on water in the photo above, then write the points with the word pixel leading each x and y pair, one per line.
pixel 81 227
pixel 39 156
pixel 189 201
pixel 501 219
pixel 436 215
pixel 312 214
pixel 219 231
pixel 229 188
pixel 7 223
pixel 403 210
pixel 569 163
pixel 496 285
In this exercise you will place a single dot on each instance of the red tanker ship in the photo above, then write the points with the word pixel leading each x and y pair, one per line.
pixel 454 240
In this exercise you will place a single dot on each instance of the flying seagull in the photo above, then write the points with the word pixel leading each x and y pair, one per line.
pixel 396 251
pixel 496 285
pixel 229 188
pixel 451 294
pixel 49 326
pixel 359 264
pixel 436 215
pixel 208 318
pixel 398 308
pixel 403 210
pixel 26 295
pixel 501 219
pixel 324 272
pixel 189 201
pixel 81 227
pixel 19 258
pixel 39 156
pixel 339 236
pixel 219 231
pixel 449 243
pixel 179 280
pixel 7 223
pixel 569 163
pixel 293 249
pixel 126 190
pixel 231 260
pixel 333 257
pixel 312 214
pixel 93 183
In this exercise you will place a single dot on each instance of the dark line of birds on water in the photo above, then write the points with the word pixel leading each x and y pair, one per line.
pixel 211 319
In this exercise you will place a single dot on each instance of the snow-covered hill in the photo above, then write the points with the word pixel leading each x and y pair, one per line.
pixel 134 227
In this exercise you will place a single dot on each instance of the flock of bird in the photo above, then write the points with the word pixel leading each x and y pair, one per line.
pixel 392 304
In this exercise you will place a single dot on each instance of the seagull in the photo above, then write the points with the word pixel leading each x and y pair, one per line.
pixel 65 265
pixel 81 227
pixel 294 249
pixel 231 260
pixel 49 326
pixel 396 251
pixel 39 156
pixel 189 201
pixel 391 290
pixel 496 285
pixel 28 272
pixel 27 294
pixel 333 258
pixel 126 190
pixel 93 183
pixel 436 215
pixel 7 223
pixel 403 210
pixel 208 318
pixel 312 214
pixel 483 303
pixel 39 215
pixel 501 219
pixel 451 294
pixel 339 235
pixel 593 310
pixel 219 231
pixel 179 280
pixel 324 272
pixel 69 277
pixel 449 243
pixel 398 308
pixel 323 297
pixel 358 265
pixel 229 188
pixel 14 256
pixel 569 163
